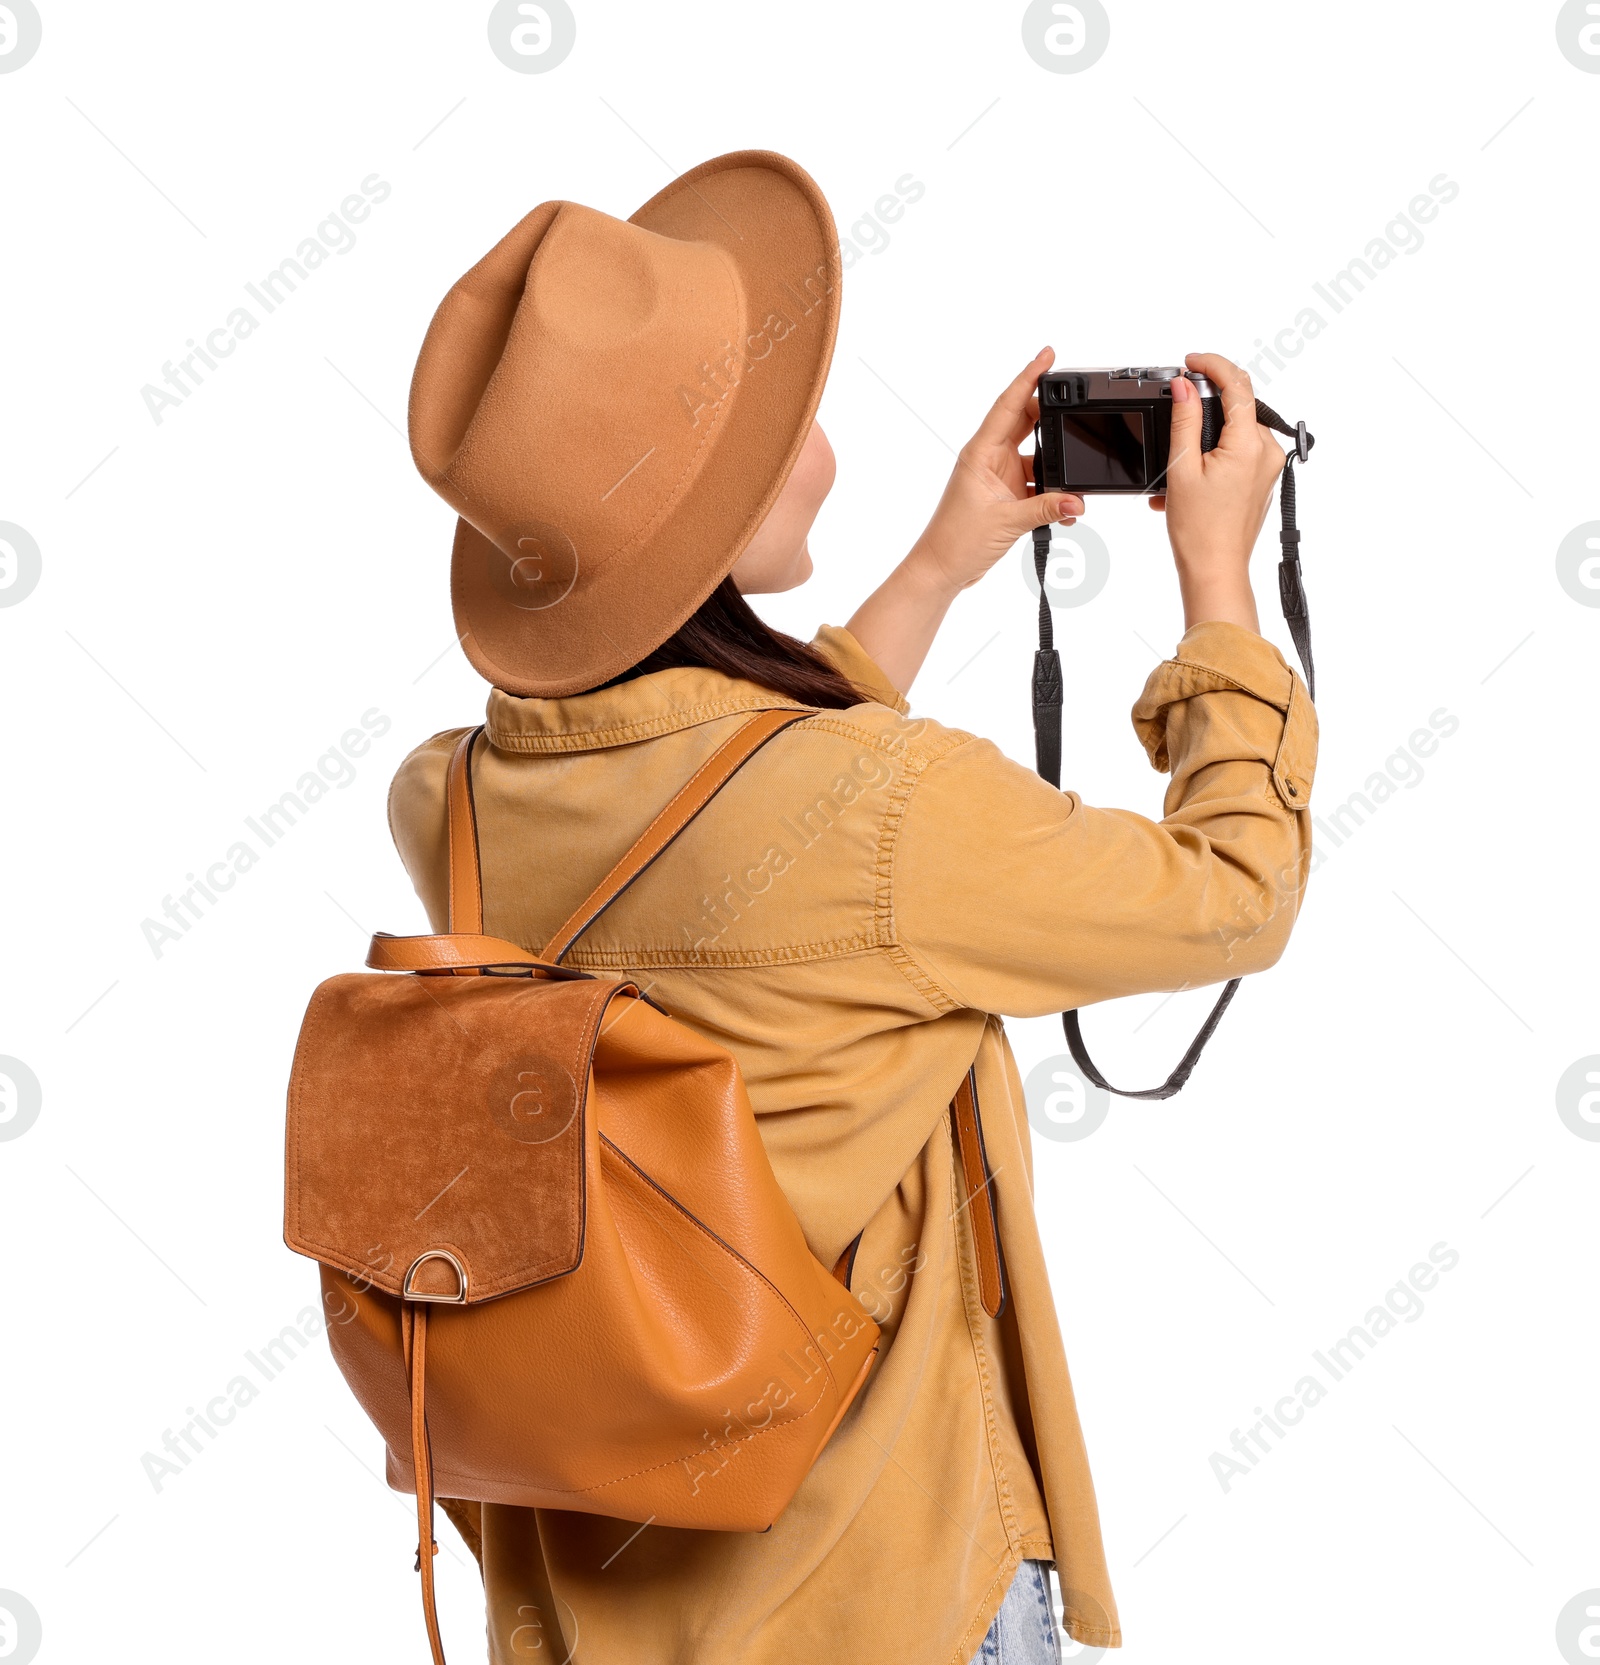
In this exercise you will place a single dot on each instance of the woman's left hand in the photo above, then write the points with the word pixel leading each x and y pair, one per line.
pixel 990 501
pixel 988 504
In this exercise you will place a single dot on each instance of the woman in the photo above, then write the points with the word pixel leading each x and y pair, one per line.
pixel 624 416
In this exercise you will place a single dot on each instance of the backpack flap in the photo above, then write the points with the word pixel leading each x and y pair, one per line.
pixel 437 1130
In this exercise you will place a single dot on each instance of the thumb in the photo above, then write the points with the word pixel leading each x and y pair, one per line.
pixel 1184 458
pixel 1045 509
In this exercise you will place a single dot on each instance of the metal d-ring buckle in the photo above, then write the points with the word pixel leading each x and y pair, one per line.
pixel 459 1299
pixel 1302 442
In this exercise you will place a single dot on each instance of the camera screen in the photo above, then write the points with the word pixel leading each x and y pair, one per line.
pixel 1103 448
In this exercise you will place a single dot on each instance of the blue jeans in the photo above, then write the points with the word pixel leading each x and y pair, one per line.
pixel 1024 1630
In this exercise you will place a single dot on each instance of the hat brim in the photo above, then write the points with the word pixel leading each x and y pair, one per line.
pixel 774 226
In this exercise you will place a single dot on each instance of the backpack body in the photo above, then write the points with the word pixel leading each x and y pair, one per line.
pixel 624 1317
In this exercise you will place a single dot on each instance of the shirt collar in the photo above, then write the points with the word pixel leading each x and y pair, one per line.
pixel 662 702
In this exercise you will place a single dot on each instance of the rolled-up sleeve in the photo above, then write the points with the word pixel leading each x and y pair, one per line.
pixel 1013 897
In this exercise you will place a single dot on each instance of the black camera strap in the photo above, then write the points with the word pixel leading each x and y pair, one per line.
pixel 1047 701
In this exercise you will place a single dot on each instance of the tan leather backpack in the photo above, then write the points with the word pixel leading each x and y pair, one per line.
pixel 559 1269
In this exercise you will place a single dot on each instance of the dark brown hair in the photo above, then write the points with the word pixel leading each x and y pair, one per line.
pixel 725 634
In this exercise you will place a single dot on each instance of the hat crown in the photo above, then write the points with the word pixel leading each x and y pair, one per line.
pixel 611 322
pixel 600 283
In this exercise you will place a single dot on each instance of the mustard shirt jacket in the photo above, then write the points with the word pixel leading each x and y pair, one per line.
pixel 851 917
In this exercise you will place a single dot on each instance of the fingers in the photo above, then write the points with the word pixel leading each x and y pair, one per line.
pixel 1023 480
pixel 1015 472
pixel 1238 400
pixel 1051 508
pixel 1158 503
pixel 1001 425
pixel 1024 424
pixel 1183 459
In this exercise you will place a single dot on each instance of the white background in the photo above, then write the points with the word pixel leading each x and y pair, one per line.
pixel 223 594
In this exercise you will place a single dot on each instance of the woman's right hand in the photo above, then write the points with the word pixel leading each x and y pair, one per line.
pixel 1217 501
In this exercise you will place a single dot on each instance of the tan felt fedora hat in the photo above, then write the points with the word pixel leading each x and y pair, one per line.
pixel 612 406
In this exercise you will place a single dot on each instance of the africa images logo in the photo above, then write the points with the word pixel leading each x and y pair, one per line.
pixel 1066 36
pixel 532 36
pixel 20 564
pixel 21 1097
pixel 1578 36
pixel 20 1628
pixel 20 33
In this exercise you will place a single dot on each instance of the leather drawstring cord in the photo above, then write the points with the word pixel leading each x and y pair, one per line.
pixel 414 1337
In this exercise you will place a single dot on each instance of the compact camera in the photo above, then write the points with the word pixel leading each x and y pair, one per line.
pixel 1110 431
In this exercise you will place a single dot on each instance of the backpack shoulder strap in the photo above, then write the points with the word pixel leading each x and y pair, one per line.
pixel 465 897
pixel 466 915
pixel 466 889
pixel 975 1179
